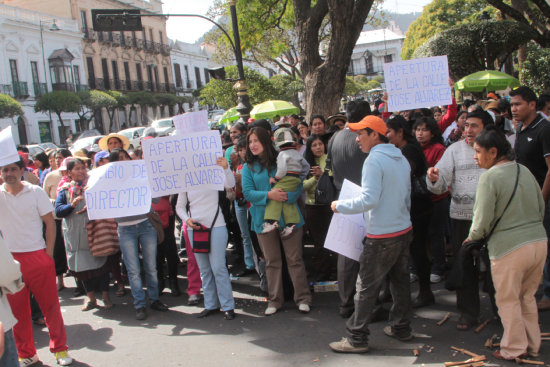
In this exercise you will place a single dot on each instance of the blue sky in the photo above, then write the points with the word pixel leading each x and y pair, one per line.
pixel 190 29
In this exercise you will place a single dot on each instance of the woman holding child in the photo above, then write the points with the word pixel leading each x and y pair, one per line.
pixel 260 167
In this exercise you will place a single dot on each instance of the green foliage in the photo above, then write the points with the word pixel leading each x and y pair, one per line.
pixel 286 87
pixel 438 16
pixel 535 70
pixel 58 102
pixel 222 94
pixel 120 98
pixel 464 47
pixel 372 84
pixel 351 88
pixel 379 79
pixel 9 107
pixel 142 99
pixel 98 99
pixel 166 99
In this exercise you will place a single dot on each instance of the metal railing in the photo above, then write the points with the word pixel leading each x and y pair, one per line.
pixel 81 88
pixel 69 87
pixel 40 89
pixel 5 89
pixel 165 50
pixel 89 34
pixel 20 89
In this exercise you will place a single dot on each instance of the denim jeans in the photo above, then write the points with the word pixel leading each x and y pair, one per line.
pixel 242 218
pixel 130 238
pixel 381 257
pixel 214 275
pixel 9 359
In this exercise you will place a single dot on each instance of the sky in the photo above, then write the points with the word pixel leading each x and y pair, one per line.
pixel 190 29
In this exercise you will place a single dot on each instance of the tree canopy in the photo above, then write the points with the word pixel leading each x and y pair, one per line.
pixel 440 15
pixel 321 34
pixel 57 102
pixel 535 71
pixel 221 92
pixel 464 47
pixel 534 14
pixel 9 107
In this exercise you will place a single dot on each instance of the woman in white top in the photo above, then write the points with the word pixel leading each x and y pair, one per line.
pixel 197 208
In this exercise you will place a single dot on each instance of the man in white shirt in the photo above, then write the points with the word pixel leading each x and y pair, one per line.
pixel 25 209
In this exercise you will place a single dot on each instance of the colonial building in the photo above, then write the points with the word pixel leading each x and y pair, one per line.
pixel 122 61
pixel 38 53
pixel 190 64
pixel 373 49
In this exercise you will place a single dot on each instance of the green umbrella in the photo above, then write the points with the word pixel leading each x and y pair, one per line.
pixel 270 109
pixel 486 79
pixel 230 115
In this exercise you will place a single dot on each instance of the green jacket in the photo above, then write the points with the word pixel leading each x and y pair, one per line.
pixel 311 183
pixel 521 224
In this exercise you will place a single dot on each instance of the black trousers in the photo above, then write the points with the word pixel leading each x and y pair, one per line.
pixel 419 249
pixel 317 222
pixel 168 250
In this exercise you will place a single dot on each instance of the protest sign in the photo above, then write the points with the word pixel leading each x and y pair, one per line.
pixel 417 83
pixel 118 189
pixel 184 163
pixel 8 151
pixel 346 231
pixel 191 122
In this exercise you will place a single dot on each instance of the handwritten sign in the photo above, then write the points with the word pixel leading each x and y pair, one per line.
pixel 417 83
pixel 191 122
pixel 118 189
pixel 184 163
pixel 8 151
pixel 346 231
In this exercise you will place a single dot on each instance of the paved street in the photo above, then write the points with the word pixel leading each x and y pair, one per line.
pixel 288 338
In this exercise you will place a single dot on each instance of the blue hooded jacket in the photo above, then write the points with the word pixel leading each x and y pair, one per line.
pixel 385 199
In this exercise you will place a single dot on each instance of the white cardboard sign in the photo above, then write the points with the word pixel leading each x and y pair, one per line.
pixel 417 83
pixel 8 150
pixel 118 189
pixel 182 163
pixel 191 122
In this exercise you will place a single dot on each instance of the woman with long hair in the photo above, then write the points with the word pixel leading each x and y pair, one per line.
pixel 421 204
pixel 261 165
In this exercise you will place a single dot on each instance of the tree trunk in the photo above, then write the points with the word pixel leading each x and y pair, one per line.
pixel 62 137
pixel 324 78
pixel 521 6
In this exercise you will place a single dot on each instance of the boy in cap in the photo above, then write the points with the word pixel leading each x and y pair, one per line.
pixel 292 168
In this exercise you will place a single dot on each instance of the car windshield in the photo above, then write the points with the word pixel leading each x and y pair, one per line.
pixel 163 123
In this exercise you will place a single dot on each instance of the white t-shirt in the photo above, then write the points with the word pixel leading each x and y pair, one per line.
pixel 20 217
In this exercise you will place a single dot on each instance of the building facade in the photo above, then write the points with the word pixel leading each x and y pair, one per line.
pixel 122 61
pixel 375 48
pixel 38 54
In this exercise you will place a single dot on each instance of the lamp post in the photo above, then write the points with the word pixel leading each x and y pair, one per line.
pixel 485 17
pixel 123 20
pixel 52 28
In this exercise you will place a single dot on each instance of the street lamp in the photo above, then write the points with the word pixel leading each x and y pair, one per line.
pixel 125 19
pixel 53 28
pixel 485 17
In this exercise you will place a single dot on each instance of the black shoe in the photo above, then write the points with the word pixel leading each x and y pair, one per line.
pixel 174 288
pixel 423 300
pixel 245 272
pixel 159 306
pixel 141 313
pixel 229 315
pixel 206 312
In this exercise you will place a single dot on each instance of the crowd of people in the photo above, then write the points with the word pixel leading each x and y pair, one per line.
pixel 434 183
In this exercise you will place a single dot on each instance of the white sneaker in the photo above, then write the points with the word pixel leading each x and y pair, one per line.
pixel 270 311
pixel 413 277
pixel 287 231
pixel 24 362
pixel 303 308
pixel 268 227
pixel 63 358
pixel 435 278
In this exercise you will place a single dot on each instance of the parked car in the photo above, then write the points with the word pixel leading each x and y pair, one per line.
pixel 134 134
pixel 34 149
pixel 86 134
pixel 87 143
pixel 163 127
pixel 47 146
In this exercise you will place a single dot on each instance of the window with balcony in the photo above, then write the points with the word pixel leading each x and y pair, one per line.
pixel 105 69
pixel 61 70
pixel 19 88
pixel 177 73
pixel 198 77
pixel 39 88
pixel 388 58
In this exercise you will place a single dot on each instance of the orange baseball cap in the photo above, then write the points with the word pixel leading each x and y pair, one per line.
pixel 372 122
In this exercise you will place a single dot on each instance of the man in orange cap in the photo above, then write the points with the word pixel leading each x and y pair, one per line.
pixel 385 201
